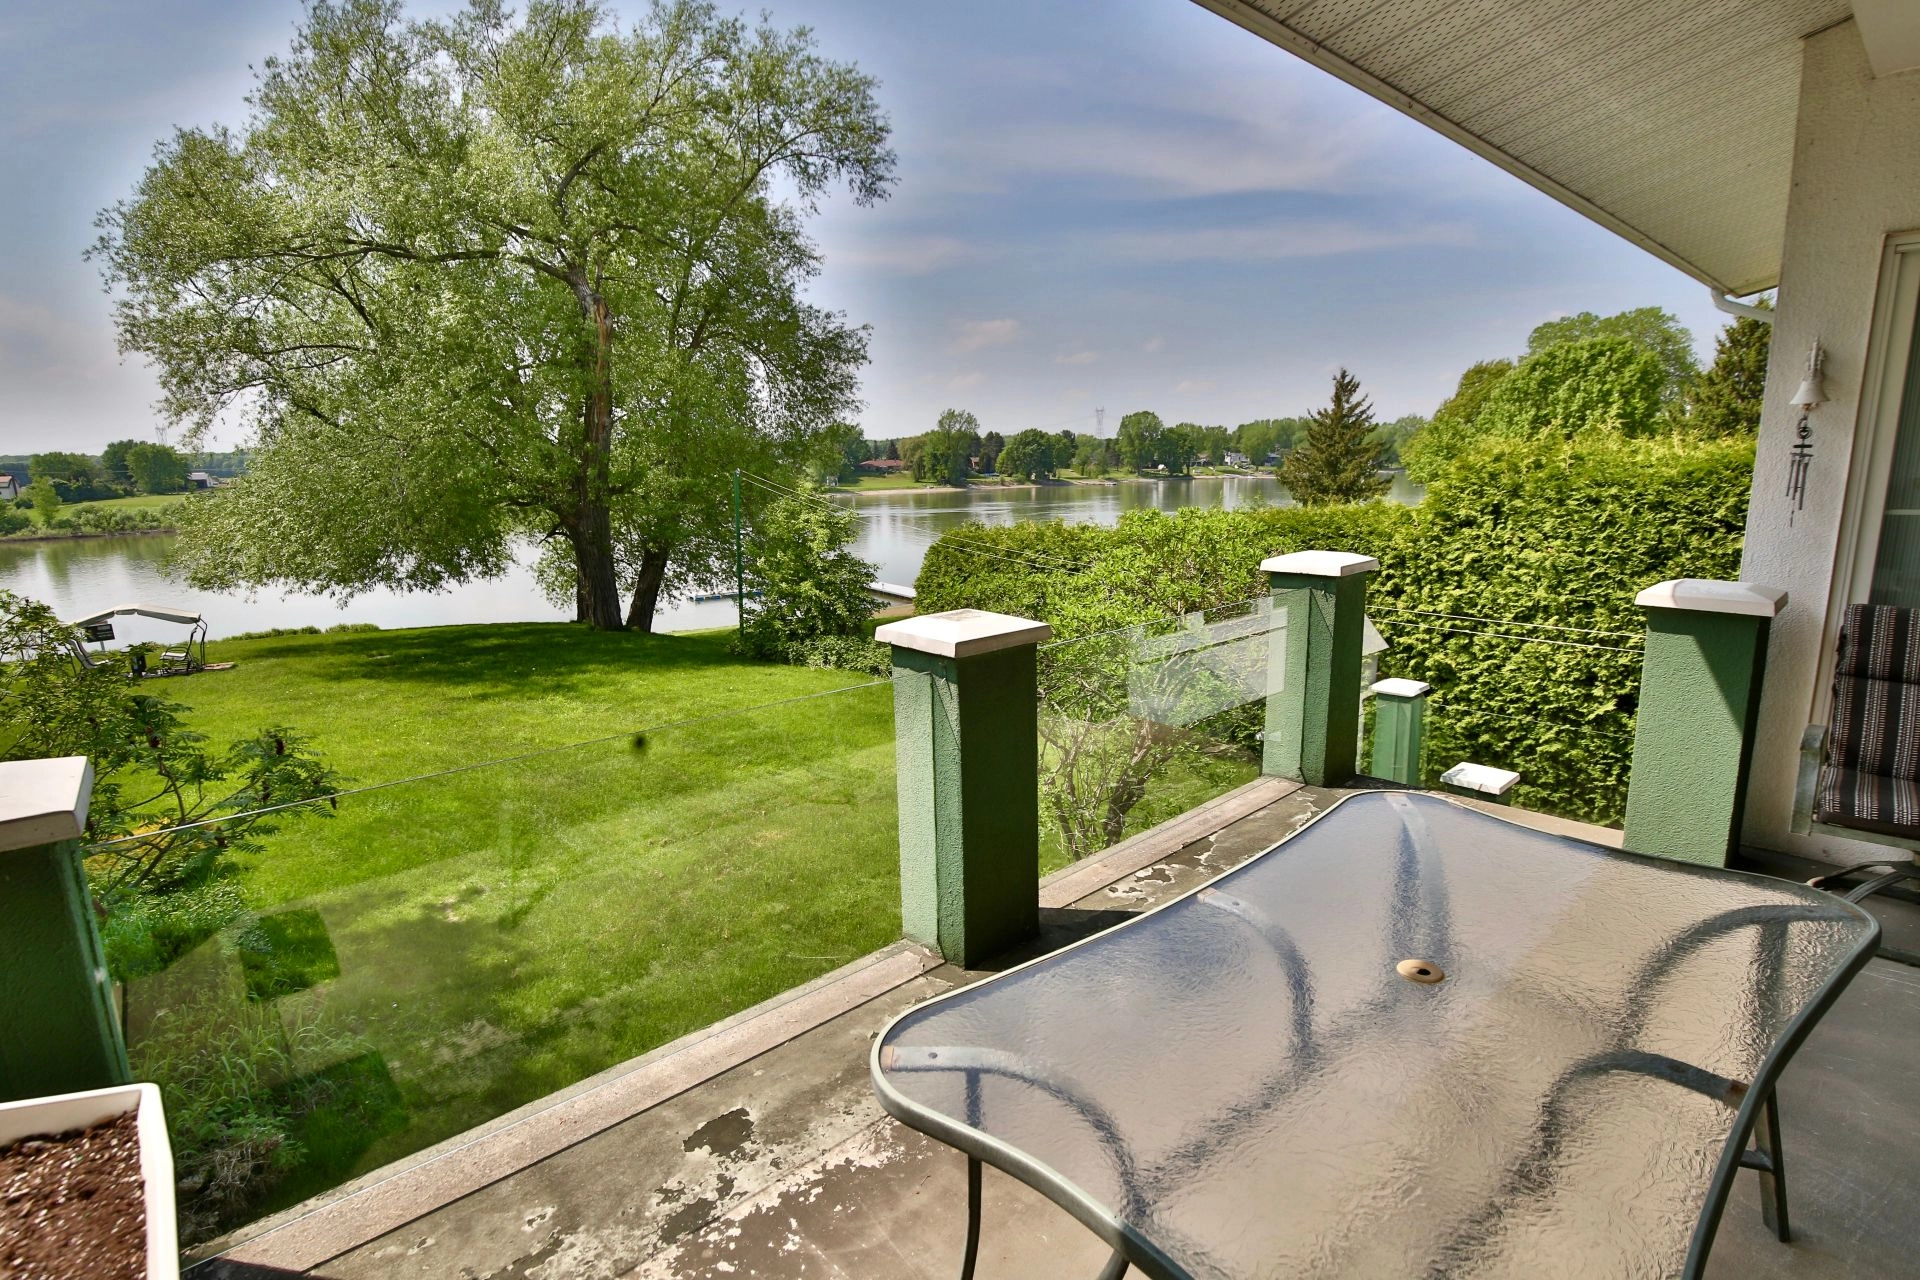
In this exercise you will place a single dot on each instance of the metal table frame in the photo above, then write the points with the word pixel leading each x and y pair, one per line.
pixel 1757 1115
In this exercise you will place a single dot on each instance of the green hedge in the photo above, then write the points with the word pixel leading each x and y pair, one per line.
pixel 1551 534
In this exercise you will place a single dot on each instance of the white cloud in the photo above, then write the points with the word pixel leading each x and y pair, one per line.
pixel 906 255
pixel 1155 343
pixel 965 381
pixel 1210 132
pixel 1078 357
pixel 1278 242
pixel 1194 384
pixel 976 334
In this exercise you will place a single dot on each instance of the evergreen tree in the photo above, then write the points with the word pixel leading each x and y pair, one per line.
pixel 1339 460
pixel 1726 399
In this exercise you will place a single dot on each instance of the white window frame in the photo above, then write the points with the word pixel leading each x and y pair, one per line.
pixel 1876 432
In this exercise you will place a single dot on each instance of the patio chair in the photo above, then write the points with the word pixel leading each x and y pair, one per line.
pixel 1860 777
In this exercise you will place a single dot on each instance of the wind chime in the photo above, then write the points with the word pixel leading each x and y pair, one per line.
pixel 1811 395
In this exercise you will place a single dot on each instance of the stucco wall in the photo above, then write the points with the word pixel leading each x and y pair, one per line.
pixel 1856 179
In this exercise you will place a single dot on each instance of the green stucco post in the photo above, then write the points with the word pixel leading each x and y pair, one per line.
pixel 966 727
pixel 1312 732
pixel 1399 729
pixel 58 1032
pixel 1700 684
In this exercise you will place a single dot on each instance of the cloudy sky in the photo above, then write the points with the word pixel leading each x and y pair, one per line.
pixel 1102 203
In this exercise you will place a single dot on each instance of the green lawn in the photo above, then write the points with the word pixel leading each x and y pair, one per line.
pixel 875 484
pixel 139 502
pixel 443 950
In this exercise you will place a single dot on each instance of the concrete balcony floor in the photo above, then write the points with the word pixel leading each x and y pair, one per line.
pixel 755 1148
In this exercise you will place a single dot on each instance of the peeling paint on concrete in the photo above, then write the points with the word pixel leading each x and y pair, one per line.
pixel 724 1135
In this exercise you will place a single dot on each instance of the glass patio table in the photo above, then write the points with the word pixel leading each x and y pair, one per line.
pixel 1413 1039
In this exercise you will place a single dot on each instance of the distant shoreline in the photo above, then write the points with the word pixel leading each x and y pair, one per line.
pixel 65 535
pixel 1076 483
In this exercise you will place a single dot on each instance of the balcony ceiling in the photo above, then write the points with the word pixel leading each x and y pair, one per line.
pixel 1670 122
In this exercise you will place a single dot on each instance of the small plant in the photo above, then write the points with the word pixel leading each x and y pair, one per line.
pixel 240 1083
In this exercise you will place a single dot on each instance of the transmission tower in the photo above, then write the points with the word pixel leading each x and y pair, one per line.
pixel 1099 421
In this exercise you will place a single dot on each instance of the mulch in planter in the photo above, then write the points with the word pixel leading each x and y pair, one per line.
pixel 74 1205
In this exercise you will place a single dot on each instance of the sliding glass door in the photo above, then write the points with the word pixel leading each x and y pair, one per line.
pixel 1896 564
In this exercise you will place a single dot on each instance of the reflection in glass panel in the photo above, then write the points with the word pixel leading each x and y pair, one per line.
pixel 1140 724
pixel 1896 568
pixel 372 980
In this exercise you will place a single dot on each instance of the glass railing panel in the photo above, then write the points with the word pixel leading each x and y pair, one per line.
pixel 361 982
pixel 1140 724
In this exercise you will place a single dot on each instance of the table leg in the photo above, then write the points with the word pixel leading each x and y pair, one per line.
pixel 973 1219
pixel 1866 890
pixel 1767 1159
pixel 1115 1268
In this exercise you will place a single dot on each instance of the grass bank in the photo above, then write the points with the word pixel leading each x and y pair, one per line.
pixel 446 948
pixel 142 513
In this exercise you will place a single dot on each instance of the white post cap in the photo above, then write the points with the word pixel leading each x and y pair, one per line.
pixel 43 801
pixel 962 633
pixel 1400 687
pixel 1484 778
pixel 1706 595
pixel 1321 564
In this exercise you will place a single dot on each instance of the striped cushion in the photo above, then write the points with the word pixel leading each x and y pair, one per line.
pixel 1876 727
pixel 1879 642
pixel 1868 802
pixel 1872 779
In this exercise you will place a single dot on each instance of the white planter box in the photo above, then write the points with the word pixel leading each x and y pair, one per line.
pixel 61 1113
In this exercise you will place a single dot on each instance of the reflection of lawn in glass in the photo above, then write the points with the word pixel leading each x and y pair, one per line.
pixel 285 952
pixel 1190 781
pixel 504 932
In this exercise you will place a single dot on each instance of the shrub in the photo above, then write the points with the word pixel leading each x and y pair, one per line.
pixel 114 519
pixel 811 586
pixel 843 653
pixel 14 522
pixel 1558 536
pixel 271 633
pixel 1533 535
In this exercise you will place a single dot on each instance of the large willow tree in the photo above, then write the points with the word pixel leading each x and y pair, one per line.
pixel 496 277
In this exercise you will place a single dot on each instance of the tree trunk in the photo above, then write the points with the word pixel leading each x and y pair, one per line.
pixel 646 589
pixel 598 590
pixel 592 530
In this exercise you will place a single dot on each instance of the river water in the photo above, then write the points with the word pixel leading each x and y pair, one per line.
pixel 78 576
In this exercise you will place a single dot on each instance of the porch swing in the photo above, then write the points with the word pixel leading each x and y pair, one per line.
pixel 1860 777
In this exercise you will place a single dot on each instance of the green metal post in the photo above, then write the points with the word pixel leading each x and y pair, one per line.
pixel 1706 657
pixel 967 743
pixel 1314 677
pixel 739 569
pixel 58 1032
pixel 1399 729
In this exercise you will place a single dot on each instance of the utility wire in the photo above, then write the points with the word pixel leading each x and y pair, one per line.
pixel 1440 708
pixel 1502 622
pixel 1500 635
